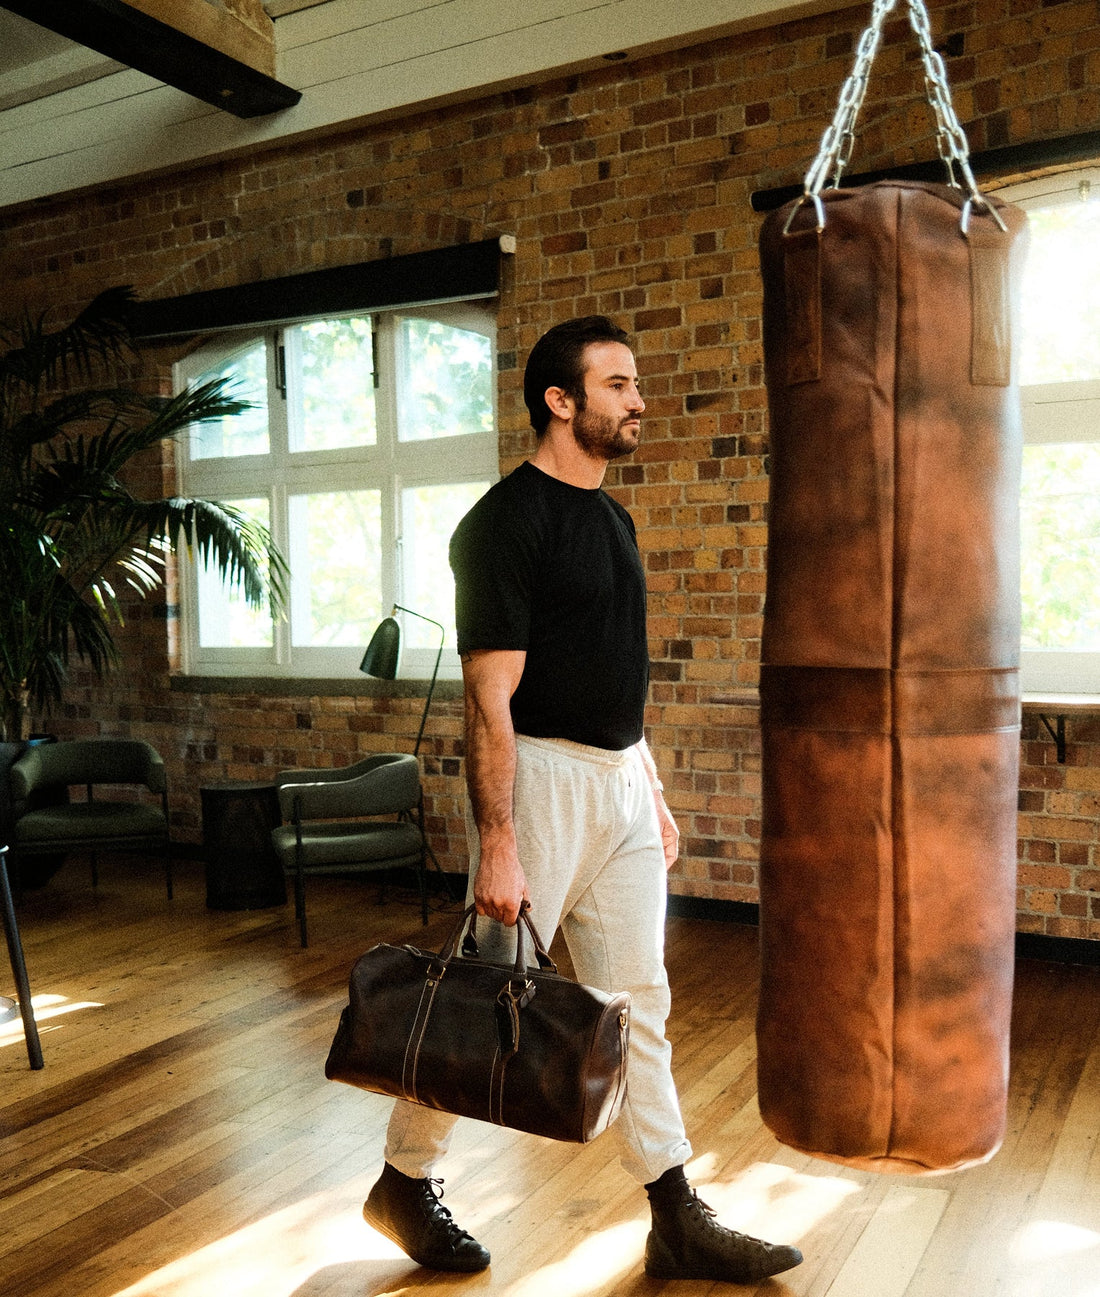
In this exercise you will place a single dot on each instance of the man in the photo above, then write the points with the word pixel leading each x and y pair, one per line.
pixel 567 810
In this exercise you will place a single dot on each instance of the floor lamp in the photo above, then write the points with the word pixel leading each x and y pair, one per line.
pixel 384 652
pixel 381 661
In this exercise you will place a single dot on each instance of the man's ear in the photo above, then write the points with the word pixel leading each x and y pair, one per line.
pixel 560 404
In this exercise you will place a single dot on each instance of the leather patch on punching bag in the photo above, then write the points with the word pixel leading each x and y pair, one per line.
pixel 802 279
pixel 990 337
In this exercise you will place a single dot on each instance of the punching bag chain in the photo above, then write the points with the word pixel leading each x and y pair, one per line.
pixel 835 151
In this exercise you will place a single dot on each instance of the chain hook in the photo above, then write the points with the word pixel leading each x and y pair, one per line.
pixel 835 150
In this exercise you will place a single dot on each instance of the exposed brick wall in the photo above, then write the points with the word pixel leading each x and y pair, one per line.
pixel 628 189
pixel 1059 867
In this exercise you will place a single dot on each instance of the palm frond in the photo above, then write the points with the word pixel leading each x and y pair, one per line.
pixel 193 405
pixel 238 546
pixel 37 426
pixel 144 569
pixel 43 618
pixel 99 334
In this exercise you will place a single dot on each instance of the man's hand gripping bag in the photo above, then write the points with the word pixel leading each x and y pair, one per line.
pixel 889 683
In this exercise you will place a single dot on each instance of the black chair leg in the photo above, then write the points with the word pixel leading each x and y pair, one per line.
pixel 425 851
pixel 421 872
pixel 300 903
pixel 19 967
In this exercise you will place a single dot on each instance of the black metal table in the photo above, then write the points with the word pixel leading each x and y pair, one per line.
pixel 242 870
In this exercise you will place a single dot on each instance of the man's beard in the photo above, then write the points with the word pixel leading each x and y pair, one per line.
pixel 602 437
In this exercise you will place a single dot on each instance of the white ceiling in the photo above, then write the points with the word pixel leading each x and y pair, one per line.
pixel 71 118
pixel 23 42
pixel 35 62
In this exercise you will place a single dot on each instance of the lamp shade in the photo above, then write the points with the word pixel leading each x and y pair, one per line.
pixel 383 651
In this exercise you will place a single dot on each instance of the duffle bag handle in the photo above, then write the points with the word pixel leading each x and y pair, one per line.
pixel 468 920
pixel 835 150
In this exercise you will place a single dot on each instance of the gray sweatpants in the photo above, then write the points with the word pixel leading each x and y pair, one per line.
pixel 590 846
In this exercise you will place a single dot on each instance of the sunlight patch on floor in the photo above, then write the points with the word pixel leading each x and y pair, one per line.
pixel 892 1244
pixel 1041 1240
pixel 591 1266
pixel 273 1257
pixel 770 1200
pixel 45 1008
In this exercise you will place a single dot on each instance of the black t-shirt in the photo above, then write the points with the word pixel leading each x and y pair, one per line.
pixel 554 570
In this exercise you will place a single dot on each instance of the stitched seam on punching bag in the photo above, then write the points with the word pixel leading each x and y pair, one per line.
pixel 801 267
pixel 416 1039
pixel 895 751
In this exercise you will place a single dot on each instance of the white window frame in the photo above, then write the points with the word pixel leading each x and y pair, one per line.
pixel 390 465
pixel 1066 412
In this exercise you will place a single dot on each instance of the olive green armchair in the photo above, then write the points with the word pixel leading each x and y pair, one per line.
pixel 325 829
pixel 96 824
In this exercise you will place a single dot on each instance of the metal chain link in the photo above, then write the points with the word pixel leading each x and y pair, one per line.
pixel 835 150
pixel 951 139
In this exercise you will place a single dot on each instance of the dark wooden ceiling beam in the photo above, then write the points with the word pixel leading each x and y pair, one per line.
pixel 150 45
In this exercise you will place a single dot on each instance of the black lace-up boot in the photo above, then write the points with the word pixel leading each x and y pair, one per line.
pixel 686 1242
pixel 409 1212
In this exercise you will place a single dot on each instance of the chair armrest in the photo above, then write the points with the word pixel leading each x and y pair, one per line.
pixel 25 775
pixel 156 779
pixel 391 784
pixel 331 775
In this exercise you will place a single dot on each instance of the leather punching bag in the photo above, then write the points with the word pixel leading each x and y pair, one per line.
pixel 889 684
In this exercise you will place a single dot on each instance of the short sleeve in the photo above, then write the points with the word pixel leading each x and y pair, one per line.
pixel 493 554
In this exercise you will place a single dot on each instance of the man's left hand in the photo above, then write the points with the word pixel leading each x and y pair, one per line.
pixel 670 834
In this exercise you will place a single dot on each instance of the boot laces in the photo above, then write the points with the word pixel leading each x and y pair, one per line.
pixel 709 1217
pixel 696 1204
pixel 440 1215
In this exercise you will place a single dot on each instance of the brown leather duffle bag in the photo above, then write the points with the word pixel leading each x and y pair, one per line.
pixel 516 1046
pixel 889 682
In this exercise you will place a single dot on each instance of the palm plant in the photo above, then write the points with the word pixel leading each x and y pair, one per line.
pixel 69 525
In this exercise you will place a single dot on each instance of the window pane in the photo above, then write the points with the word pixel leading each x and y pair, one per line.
pixel 225 619
pixel 430 514
pixel 335 567
pixel 334 384
pixel 240 434
pixel 1060 524
pixel 1061 292
pixel 446 387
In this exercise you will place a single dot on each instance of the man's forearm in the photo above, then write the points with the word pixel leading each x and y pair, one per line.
pixel 490 769
pixel 490 679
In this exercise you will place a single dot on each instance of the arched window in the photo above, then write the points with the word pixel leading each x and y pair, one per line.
pixel 371 435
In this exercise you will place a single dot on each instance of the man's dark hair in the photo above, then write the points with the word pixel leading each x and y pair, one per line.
pixel 557 360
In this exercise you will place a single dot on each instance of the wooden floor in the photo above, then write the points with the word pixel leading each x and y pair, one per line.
pixel 182 1140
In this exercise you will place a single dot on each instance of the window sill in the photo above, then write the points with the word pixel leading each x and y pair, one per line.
pixel 312 687
pixel 1055 708
pixel 1051 709
pixel 746 697
pixel 1064 704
